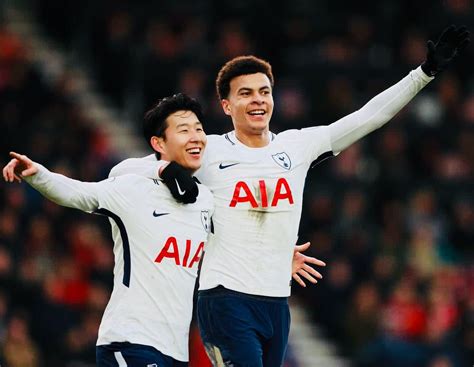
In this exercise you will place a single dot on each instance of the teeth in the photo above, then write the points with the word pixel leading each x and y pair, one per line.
pixel 194 150
pixel 257 112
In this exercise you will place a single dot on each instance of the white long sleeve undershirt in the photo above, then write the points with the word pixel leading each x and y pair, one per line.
pixel 64 190
pixel 377 112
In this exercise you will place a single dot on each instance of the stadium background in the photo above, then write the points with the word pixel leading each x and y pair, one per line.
pixel 393 215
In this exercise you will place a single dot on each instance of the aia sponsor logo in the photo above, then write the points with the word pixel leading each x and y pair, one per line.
pixel 243 194
pixel 171 252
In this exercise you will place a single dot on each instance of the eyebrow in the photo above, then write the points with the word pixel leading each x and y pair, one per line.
pixel 248 89
pixel 186 124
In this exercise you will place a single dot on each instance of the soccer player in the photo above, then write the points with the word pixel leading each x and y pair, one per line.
pixel 158 242
pixel 257 179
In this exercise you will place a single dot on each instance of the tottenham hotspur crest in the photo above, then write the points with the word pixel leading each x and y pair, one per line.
pixel 206 220
pixel 282 159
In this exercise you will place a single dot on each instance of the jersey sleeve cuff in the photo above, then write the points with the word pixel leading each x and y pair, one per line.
pixel 39 176
pixel 422 75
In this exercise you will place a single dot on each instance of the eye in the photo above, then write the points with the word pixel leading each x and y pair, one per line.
pixel 245 94
pixel 183 131
pixel 266 92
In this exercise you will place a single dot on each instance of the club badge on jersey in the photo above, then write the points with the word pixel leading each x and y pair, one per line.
pixel 206 220
pixel 283 160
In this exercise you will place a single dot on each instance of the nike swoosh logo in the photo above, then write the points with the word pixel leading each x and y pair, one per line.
pixel 181 192
pixel 155 214
pixel 223 166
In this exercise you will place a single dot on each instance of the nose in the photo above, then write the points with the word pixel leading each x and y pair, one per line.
pixel 257 98
pixel 195 136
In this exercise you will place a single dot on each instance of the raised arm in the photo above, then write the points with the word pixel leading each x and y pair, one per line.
pixel 380 109
pixel 55 187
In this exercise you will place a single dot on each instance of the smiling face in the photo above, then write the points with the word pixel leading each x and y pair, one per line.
pixel 250 104
pixel 184 140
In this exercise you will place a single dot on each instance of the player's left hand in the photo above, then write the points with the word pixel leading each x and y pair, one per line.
pixel 181 184
pixel 19 166
pixel 301 267
pixel 451 42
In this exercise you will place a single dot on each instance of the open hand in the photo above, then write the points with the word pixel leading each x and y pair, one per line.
pixel 301 266
pixel 451 42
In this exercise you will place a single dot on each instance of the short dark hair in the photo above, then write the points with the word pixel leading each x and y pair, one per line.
pixel 241 65
pixel 154 123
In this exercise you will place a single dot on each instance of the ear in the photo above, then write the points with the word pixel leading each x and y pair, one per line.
pixel 158 144
pixel 226 106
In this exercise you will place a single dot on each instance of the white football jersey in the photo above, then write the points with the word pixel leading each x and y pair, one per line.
pixel 258 191
pixel 258 195
pixel 157 247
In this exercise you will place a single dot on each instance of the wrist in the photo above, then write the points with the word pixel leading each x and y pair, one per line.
pixel 428 69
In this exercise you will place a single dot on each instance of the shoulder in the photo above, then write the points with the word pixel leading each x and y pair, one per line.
pixel 151 158
pixel 219 140
pixel 128 182
pixel 204 191
pixel 307 133
pixel 147 158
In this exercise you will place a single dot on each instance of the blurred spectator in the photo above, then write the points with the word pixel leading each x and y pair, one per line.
pixel 18 349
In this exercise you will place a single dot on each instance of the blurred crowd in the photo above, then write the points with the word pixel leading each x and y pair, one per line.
pixel 393 215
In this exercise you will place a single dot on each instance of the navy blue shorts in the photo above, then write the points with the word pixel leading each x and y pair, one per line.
pixel 243 330
pixel 133 355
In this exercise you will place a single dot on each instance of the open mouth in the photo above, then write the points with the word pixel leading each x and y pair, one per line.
pixel 256 112
pixel 194 151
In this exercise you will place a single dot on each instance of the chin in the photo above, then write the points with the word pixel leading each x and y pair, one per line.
pixel 193 167
pixel 259 124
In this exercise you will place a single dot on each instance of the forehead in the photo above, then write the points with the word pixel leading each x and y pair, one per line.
pixel 251 81
pixel 182 117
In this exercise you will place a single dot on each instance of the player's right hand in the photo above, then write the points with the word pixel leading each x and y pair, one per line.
pixel 182 185
pixel 19 166
pixel 301 266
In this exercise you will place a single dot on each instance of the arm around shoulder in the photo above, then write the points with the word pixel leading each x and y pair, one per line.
pixel 147 166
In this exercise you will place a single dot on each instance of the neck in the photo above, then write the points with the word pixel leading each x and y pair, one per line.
pixel 253 140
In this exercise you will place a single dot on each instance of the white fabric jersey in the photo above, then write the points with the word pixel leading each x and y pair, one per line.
pixel 258 192
pixel 157 246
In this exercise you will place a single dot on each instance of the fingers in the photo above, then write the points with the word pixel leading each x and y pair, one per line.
pixel 462 38
pixel 17 156
pixel 312 271
pixel 431 46
pixel 303 247
pixel 463 45
pixel 313 260
pixel 8 171
pixel 447 34
pixel 299 280
pixel 463 35
pixel 307 276
pixel 28 172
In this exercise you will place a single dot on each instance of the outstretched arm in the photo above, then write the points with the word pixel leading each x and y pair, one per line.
pixel 378 111
pixel 55 187
pixel 301 266
pixel 387 104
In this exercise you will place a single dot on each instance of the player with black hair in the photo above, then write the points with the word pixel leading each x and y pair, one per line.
pixel 158 242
